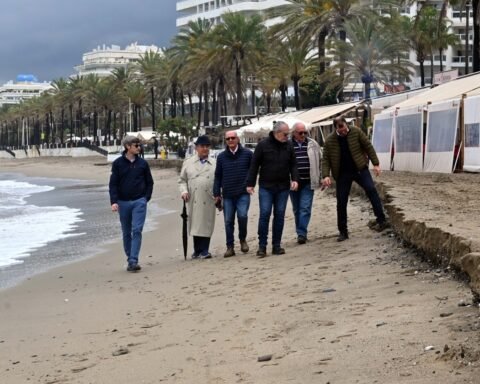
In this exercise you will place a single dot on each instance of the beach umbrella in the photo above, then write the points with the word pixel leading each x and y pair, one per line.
pixel 184 217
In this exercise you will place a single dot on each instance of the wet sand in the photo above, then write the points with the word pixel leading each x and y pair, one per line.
pixel 363 311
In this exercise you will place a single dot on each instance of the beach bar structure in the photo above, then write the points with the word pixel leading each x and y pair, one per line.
pixel 317 120
pixel 435 131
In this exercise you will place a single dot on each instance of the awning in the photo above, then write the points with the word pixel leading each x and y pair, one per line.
pixel 315 115
pixel 466 85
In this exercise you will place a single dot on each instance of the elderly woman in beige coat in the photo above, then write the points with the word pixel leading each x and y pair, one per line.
pixel 196 187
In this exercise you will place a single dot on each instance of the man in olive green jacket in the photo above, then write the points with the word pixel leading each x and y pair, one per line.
pixel 346 154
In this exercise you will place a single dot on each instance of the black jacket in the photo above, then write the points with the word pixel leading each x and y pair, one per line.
pixel 130 180
pixel 277 163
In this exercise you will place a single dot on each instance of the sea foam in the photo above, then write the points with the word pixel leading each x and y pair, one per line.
pixel 25 227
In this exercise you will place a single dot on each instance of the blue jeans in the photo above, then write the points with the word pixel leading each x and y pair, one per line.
pixel 132 217
pixel 302 208
pixel 344 184
pixel 238 205
pixel 277 199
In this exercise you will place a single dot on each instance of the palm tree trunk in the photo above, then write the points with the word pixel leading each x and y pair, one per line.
pixel 283 93
pixel 431 68
pixel 214 102
pixel 322 36
pixel 476 36
pixel 190 103
pixel 139 112
pixel 269 102
pixel 422 74
pixel 164 109
pixel 71 122
pixel 199 109
pixel 95 123
pixel 441 59
pixel 182 101
pixel 296 92
pixel 206 113
pixel 62 126
pixel 173 109
pixel 135 118
pixel 152 96
pixel 108 123
pixel 238 87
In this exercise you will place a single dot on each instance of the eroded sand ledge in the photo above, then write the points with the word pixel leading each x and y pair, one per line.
pixel 438 238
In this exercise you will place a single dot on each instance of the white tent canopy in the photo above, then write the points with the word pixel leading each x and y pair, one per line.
pixel 143 135
pixel 466 85
pixel 311 118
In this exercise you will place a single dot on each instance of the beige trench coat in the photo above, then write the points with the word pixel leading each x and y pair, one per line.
pixel 197 179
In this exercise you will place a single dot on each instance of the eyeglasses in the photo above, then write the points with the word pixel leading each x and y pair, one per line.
pixel 136 145
pixel 302 133
pixel 230 138
pixel 285 134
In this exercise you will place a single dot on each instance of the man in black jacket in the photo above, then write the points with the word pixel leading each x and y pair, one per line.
pixel 131 186
pixel 275 157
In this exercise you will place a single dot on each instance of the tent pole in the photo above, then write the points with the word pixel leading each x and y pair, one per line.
pixel 461 149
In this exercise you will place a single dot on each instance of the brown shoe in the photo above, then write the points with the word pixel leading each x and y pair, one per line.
pixel 230 252
pixel 244 246
pixel 261 252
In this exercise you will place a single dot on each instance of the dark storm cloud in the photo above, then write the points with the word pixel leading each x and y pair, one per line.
pixel 48 37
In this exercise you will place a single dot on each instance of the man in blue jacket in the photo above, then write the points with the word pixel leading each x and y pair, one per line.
pixel 231 183
pixel 131 186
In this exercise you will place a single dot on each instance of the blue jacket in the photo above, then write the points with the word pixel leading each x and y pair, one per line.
pixel 231 172
pixel 130 180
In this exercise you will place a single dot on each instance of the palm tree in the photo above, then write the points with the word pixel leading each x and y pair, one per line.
pixel 422 36
pixel 138 97
pixel 316 20
pixel 367 54
pixel 149 68
pixel 297 61
pixel 62 100
pixel 242 41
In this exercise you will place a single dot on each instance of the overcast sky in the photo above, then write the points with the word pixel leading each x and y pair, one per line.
pixel 47 38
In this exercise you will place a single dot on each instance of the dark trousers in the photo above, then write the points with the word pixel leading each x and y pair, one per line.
pixel 201 245
pixel 344 184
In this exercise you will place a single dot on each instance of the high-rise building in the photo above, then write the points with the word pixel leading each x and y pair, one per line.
pixel 25 87
pixel 191 10
pixel 103 60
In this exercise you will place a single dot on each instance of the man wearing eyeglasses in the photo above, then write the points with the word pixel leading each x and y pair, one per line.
pixel 346 154
pixel 230 184
pixel 307 153
pixel 274 159
pixel 130 187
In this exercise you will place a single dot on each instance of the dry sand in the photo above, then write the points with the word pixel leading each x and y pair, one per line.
pixel 361 311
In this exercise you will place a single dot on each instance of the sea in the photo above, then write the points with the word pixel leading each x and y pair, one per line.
pixel 48 222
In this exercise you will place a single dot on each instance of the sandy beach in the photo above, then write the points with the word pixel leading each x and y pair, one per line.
pixel 367 310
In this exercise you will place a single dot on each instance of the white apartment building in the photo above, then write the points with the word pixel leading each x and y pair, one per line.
pixel 191 10
pixel 103 60
pixel 25 87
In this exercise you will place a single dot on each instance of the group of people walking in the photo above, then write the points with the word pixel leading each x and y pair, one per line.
pixel 286 164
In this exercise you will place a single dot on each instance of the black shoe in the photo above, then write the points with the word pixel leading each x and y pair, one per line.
pixel 301 239
pixel 342 236
pixel 133 268
pixel 380 227
pixel 261 252
pixel 278 251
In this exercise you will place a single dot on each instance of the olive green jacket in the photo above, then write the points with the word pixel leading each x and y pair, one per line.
pixel 360 147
